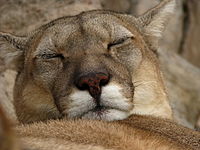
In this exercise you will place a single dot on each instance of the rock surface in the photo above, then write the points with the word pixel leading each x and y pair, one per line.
pixel 191 45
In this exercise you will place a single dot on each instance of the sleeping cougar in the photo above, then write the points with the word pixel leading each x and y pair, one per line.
pixel 98 65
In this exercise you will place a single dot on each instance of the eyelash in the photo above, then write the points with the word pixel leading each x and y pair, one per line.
pixel 117 42
pixel 50 56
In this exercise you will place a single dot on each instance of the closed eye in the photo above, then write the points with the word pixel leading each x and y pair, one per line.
pixel 50 56
pixel 118 42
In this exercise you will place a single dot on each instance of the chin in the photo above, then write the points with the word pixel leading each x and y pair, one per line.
pixel 106 115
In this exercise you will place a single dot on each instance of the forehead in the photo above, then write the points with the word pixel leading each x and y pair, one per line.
pixel 81 29
pixel 102 25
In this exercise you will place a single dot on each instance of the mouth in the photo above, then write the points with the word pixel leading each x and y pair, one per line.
pixel 104 113
pixel 99 112
pixel 99 109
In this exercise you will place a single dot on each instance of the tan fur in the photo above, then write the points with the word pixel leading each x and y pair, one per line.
pixel 33 143
pixel 8 140
pixel 45 86
pixel 45 89
pixel 136 132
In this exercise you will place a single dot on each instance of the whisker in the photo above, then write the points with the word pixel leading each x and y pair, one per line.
pixel 139 83
pixel 140 104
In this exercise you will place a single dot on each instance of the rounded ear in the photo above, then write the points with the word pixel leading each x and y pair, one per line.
pixel 12 50
pixel 154 20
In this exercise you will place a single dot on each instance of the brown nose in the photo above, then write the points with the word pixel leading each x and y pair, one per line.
pixel 93 83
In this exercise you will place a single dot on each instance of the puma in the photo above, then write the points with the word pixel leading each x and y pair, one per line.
pixel 97 74
pixel 99 65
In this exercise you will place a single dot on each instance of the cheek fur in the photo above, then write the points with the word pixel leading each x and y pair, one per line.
pixel 80 102
pixel 112 96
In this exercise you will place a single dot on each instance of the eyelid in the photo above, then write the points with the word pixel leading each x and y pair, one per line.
pixel 119 41
pixel 50 56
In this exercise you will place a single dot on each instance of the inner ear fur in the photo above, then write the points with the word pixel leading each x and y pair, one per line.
pixel 153 22
pixel 12 50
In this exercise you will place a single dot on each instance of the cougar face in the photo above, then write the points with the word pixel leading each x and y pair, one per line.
pixel 96 65
pixel 87 76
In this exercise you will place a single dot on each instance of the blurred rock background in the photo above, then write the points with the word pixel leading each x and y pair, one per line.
pixel 179 50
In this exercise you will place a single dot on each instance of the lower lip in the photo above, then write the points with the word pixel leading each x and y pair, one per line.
pixel 99 109
pixel 99 112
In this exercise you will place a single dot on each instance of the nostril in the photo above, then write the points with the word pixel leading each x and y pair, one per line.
pixel 87 82
pixel 103 82
pixel 83 83
pixel 82 86
pixel 104 79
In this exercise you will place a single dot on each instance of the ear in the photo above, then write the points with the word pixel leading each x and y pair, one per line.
pixel 154 21
pixel 12 50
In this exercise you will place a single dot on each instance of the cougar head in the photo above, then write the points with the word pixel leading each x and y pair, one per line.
pixel 95 65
